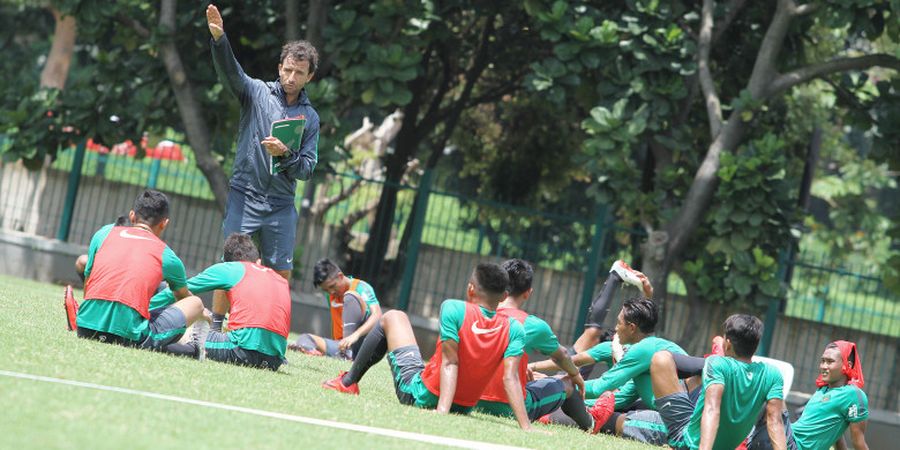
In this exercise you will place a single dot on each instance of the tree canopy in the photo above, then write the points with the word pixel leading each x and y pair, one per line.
pixel 691 119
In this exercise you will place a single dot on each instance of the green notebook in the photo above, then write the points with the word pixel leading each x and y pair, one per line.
pixel 289 131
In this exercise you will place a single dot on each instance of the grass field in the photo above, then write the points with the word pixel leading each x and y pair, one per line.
pixel 34 340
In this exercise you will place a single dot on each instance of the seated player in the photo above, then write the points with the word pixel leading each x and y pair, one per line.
pixel 473 343
pixel 354 312
pixel 635 325
pixel 548 394
pixel 125 265
pixel 838 404
pixel 81 261
pixel 259 301
pixel 619 273
pixel 721 413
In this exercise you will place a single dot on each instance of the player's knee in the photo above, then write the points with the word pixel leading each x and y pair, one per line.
pixel 568 387
pixel 81 263
pixel 391 316
pixel 662 360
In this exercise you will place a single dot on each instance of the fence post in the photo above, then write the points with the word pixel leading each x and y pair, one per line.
pixel 65 222
pixel 154 173
pixel 765 345
pixel 590 277
pixel 412 251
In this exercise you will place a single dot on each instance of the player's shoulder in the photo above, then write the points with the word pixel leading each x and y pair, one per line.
pixel 453 306
pixel 853 393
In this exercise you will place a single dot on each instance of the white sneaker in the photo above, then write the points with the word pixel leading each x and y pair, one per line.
pixel 626 273
pixel 198 337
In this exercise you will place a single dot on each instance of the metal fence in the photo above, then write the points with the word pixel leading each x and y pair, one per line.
pixel 856 298
pixel 431 248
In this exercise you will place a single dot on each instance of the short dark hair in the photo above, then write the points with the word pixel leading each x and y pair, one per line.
pixel 324 270
pixel 520 275
pixel 491 280
pixel 641 312
pixel 300 51
pixel 240 247
pixel 151 207
pixel 744 331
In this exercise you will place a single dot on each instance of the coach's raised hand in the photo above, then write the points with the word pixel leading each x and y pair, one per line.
pixel 214 20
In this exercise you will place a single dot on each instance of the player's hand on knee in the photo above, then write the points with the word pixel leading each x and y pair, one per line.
pixel 214 21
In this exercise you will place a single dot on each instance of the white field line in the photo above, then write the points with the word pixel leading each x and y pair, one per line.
pixel 438 440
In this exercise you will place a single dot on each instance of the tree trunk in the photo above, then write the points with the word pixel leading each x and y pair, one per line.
pixel 56 71
pixel 316 20
pixel 22 214
pixel 292 20
pixel 189 107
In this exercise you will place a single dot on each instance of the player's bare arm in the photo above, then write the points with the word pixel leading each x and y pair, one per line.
pixel 562 359
pixel 549 365
pixel 182 293
pixel 513 388
pixel 774 425
pixel 214 21
pixel 709 423
pixel 449 374
pixel 858 435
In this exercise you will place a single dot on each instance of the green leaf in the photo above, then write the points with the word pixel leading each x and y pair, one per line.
pixel 742 285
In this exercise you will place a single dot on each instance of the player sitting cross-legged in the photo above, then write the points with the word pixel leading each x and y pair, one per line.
pixel 259 301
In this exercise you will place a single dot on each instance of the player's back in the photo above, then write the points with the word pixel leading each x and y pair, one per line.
pixel 483 341
pixel 126 268
pixel 747 388
pixel 262 299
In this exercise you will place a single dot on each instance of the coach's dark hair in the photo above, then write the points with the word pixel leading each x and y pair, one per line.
pixel 301 51
pixel 641 312
pixel 520 275
pixel 324 270
pixel 239 247
pixel 491 280
pixel 151 207
pixel 743 331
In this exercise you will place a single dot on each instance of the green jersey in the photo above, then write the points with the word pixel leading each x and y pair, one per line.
pixel 627 393
pixel 747 387
pixel 828 414
pixel 635 365
pixel 225 276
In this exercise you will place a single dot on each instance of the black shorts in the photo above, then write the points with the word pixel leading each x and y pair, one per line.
pixel 220 348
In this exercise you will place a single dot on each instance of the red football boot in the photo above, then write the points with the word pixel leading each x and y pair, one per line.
pixel 337 384
pixel 71 308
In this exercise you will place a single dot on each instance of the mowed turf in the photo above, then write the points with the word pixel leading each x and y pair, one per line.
pixel 37 414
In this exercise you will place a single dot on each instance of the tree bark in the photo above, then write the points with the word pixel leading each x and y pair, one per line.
pixel 316 20
pixel 22 214
pixel 292 20
pixel 56 71
pixel 188 106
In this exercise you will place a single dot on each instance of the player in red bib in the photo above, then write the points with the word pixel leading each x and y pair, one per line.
pixel 354 312
pixel 124 269
pixel 545 395
pixel 259 301
pixel 473 343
